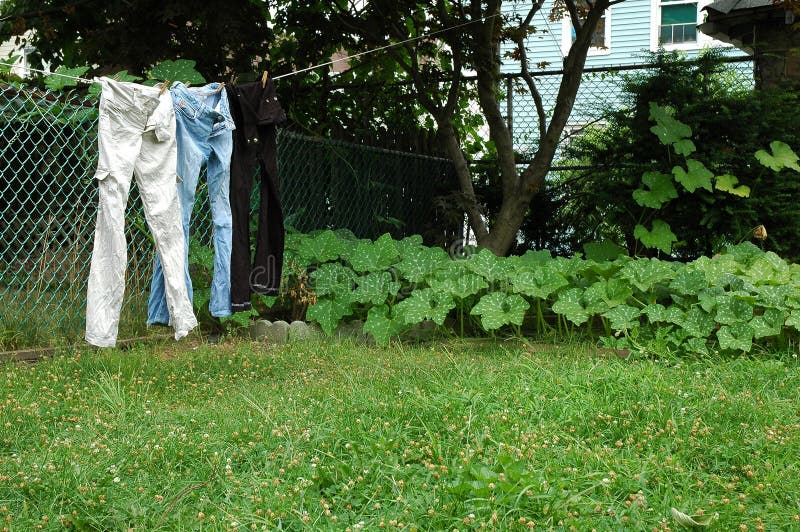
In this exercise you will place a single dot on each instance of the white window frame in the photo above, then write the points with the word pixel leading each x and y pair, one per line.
pixel 703 40
pixel 566 36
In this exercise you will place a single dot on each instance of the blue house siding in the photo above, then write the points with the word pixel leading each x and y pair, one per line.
pixel 632 36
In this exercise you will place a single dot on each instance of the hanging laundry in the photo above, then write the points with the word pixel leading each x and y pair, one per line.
pixel 204 132
pixel 256 112
pixel 136 137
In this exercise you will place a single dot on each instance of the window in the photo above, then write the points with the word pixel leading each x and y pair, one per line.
pixel 601 40
pixel 678 22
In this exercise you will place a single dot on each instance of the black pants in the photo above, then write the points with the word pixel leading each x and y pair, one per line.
pixel 254 153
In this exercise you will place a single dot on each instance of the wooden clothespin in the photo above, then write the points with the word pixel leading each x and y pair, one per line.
pixel 164 87
pixel 219 89
pixel 264 77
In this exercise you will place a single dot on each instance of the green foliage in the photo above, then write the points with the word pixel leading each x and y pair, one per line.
pixel 179 70
pixel 660 236
pixel 497 309
pixel 55 82
pixel 659 190
pixel 697 176
pixel 222 36
pixel 781 157
pixel 727 303
pixel 667 128
pixel 677 101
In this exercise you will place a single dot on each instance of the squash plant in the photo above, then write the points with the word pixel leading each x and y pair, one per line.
pixel 741 298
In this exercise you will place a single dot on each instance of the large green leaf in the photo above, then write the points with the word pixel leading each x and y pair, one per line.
pixel 374 256
pixel 646 273
pixel 178 70
pixel 688 281
pixel 716 269
pixel 794 320
pixel 766 270
pixel 328 312
pixel 731 309
pixel 497 309
pixel 409 244
pixel 55 82
pixel 781 157
pixel 684 147
pixel 737 336
pixel 708 297
pixel 375 287
pixel 745 253
pixel 660 237
pixel 697 345
pixel 696 176
pixel 8 63
pixel 321 248
pixel 570 305
pixel 457 282
pixel 489 265
pixel 623 317
pixel 603 251
pixel 768 324
pixel 538 282
pixel 605 294
pixel 659 190
pixel 668 129
pixel 727 183
pixel 381 326
pixel 656 312
pixel 425 304
pixel 775 296
pixel 534 258
pixel 419 262
pixel 697 322
pixel 333 278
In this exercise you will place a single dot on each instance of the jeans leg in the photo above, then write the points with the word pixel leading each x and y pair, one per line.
pixel 268 260
pixel 219 177
pixel 189 163
pixel 242 168
pixel 156 175
pixel 109 260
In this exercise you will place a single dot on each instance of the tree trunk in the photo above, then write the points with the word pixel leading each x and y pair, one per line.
pixel 464 176
pixel 519 190
pixel 506 225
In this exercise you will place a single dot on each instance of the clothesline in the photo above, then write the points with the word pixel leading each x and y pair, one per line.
pixel 31 69
pixel 295 72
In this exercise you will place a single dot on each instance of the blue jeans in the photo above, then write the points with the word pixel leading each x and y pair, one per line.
pixel 204 127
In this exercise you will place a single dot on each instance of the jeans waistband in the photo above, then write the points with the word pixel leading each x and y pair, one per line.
pixel 207 100
pixel 127 95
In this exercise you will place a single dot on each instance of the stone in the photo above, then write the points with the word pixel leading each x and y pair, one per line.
pixel 277 333
pixel 300 330
pixel 259 328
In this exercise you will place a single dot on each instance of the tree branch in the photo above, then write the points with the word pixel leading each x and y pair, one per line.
pixel 42 12
pixel 520 35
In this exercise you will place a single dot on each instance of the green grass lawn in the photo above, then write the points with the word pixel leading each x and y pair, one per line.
pixel 443 436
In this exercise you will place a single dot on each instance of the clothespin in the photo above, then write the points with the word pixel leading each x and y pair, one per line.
pixel 164 87
pixel 219 89
pixel 264 77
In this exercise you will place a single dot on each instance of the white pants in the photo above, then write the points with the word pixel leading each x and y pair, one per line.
pixel 136 137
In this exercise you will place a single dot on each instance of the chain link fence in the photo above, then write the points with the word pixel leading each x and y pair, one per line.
pixel 48 199
pixel 48 205
pixel 601 89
